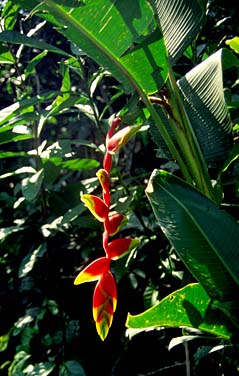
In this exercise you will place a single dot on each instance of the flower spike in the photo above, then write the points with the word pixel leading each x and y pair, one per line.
pixel 105 295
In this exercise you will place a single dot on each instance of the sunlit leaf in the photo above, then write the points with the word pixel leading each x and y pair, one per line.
pixel 32 185
pixel 187 307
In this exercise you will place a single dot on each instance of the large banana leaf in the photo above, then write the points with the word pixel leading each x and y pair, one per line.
pixel 125 39
pixel 180 21
pixel 205 237
pixel 203 98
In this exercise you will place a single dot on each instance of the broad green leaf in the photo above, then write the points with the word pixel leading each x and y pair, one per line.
pixel 14 37
pixel 203 96
pixel 180 21
pixel 205 237
pixel 31 186
pixel 137 58
pixel 188 307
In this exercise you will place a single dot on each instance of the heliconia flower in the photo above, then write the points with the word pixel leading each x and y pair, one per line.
pixel 96 205
pixel 120 138
pixel 120 247
pixel 93 271
pixel 104 179
pixel 104 304
pixel 115 222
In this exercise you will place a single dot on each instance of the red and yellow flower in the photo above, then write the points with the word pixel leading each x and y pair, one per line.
pixel 105 294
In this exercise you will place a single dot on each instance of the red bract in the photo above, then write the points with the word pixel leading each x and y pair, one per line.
pixel 96 205
pixel 104 304
pixel 120 138
pixel 93 271
pixel 116 221
pixel 120 247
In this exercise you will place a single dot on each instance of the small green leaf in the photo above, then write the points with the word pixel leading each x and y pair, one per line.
pixel 31 186
pixel 187 307
pixel 30 259
pixel 6 56
pixel 233 44
pixel 4 339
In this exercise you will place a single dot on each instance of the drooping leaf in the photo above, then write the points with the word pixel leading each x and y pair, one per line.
pixel 205 237
pixel 13 37
pixel 180 22
pixel 188 307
